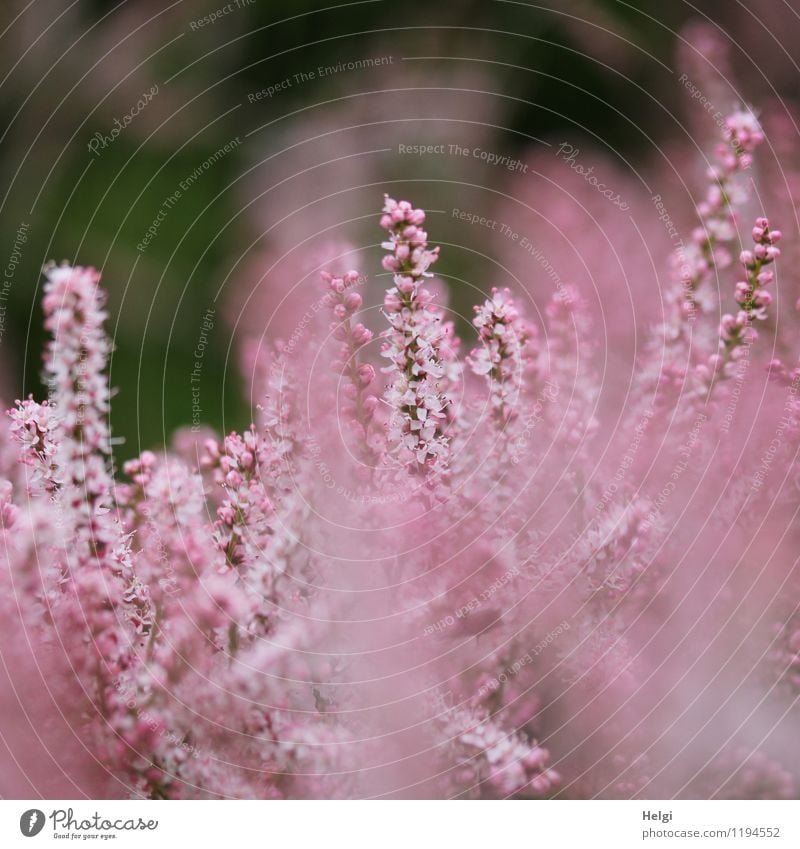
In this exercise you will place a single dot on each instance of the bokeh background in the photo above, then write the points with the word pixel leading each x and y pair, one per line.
pixel 307 163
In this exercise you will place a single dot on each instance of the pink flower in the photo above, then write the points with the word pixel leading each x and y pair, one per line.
pixel 35 426
pixel 417 428
pixel 359 405
pixel 501 356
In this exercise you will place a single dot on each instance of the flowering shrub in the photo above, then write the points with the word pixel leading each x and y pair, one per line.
pixel 431 587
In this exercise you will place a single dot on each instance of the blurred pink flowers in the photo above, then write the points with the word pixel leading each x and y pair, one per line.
pixel 435 589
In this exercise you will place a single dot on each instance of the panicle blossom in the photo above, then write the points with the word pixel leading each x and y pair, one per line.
pixel 710 247
pixel 413 343
pixel 75 362
pixel 244 515
pixel 503 762
pixel 617 551
pixel 709 252
pixel 359 405
pixel 278 412
pixel 569 348
pixel 75 416
pixel 76 357
pixel 163 507
pixel 99 607
pixel 501 356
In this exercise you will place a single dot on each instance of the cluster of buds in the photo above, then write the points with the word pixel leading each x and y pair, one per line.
pixel 140 470
pixel 243 518
pixel 359 403
pixel 410 256
pixel 751 294
pixel 779 373
pixel 737 331
pixel 743 134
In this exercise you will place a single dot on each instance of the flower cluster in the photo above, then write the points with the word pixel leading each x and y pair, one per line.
pixel 495 761
pixel 95 600
pixel 617 552
pixel 34 426
pixel 412 344
pixel 359 405
pixel 500 358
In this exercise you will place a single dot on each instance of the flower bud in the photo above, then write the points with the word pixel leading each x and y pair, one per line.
pixel 366 374
pixel 352 300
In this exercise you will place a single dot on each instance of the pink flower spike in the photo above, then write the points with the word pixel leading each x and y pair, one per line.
pixel 413 346
pixel 354 336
